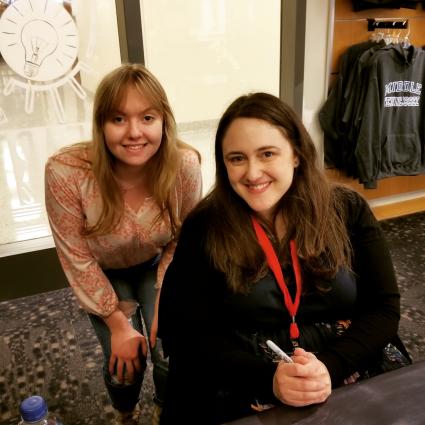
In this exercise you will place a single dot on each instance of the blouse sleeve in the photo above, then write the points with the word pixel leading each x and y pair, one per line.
pixel 189 192
pixel 377 314
pixel 66 218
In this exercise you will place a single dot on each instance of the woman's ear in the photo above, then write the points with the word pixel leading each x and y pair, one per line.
pixel 296 162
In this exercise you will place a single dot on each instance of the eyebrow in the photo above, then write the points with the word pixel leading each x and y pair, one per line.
pixel 265 148
pixel 261 149
pixel 145 111
pixel 151 109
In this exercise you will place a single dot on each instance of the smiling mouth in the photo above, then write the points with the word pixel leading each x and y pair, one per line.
pixel 135 148
pixel 258 187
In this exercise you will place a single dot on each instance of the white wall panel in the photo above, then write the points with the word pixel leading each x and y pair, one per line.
pixel 208 52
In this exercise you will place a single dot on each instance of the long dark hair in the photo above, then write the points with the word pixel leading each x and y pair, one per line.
pixel 311 208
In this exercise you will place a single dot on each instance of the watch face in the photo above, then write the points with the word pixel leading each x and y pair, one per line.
pixel 38 39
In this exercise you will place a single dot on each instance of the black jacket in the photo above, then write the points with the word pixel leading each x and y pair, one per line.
pixel 213 337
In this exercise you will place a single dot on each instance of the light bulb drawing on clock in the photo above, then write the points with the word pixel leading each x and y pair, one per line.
pixel 39 41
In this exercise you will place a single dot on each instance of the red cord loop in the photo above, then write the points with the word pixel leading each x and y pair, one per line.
pixel 273 262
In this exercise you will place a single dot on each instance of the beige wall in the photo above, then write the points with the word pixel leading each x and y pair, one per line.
pixel 318 35
pixel 206 53
pixel 99 42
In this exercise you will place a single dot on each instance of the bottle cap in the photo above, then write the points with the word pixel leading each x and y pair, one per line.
pixel 33 408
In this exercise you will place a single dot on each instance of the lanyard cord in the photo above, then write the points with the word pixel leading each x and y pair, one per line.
pixel 274 265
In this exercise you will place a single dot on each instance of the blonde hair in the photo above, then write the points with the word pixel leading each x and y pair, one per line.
pixel 162 167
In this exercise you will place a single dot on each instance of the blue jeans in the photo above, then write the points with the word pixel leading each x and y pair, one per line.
pixel 134 283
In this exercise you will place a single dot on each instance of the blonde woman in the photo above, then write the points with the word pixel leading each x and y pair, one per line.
pixel 115 206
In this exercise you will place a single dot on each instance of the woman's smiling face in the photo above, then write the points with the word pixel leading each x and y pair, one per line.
pixel 260 163
pixel 133 133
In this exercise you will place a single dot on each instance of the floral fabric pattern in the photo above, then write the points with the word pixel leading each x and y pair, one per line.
pixel 73 202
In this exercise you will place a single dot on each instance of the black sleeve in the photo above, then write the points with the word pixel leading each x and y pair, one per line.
pixel 368 150
pixel 186 312
pixel 377 314
pixel 195 338
pixel 330 115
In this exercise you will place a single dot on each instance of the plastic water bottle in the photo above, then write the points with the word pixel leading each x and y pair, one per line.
pixel 34 411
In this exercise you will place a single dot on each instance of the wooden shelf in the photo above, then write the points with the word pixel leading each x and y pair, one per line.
pixel 397 209
pixel 386 188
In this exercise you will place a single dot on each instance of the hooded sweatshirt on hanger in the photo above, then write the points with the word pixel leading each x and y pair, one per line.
pixel 391 136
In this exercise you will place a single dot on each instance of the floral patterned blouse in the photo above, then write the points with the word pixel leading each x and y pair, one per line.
pixel 73 202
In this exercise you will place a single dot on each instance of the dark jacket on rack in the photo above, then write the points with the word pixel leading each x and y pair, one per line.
pixel 391 132
pixel 332 112
pixel 338 115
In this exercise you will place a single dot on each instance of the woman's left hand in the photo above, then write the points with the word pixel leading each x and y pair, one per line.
pixel 304 382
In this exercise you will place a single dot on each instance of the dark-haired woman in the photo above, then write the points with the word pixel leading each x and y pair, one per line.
pixel 274 252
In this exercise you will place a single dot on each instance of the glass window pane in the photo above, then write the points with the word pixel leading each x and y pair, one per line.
pixel 52 56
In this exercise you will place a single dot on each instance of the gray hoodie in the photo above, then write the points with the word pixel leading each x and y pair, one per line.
pixel 391 130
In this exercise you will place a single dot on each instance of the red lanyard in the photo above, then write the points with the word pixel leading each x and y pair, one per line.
pixel 274 265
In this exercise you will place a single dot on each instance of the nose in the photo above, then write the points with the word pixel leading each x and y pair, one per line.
pixel 253 170
pixel 135 129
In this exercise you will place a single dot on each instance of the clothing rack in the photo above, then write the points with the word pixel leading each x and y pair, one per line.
pixel 398 195
pixel 373 24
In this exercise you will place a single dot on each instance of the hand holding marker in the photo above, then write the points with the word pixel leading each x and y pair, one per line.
pixel 282 355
